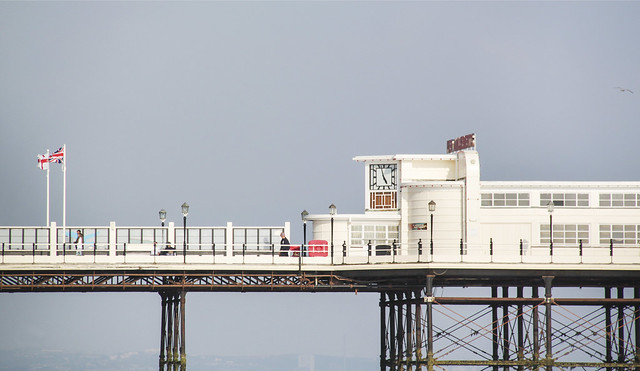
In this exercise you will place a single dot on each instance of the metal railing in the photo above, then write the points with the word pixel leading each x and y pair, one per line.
pixel 151 245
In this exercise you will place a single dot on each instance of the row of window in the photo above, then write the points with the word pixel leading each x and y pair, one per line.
pixel 560 199
pixel 361 234
pixel 563 234
pixel 572 234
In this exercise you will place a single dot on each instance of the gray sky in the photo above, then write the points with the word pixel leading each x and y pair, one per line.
pixel 252 111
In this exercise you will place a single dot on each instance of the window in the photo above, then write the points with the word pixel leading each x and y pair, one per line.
pixel 565 199
pixel 565 234
pixel 361 234
pixel 384 200
pixel 505 199
pixel 619 200
pixel 628 234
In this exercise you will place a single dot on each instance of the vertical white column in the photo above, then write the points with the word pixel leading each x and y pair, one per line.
pixel 287 230
pixel 171 234
pixel 229 239
pixel 112 239
pixel 53 239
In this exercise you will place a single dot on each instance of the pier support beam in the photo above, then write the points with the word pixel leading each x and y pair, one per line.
pixel 636 320
pixel 173 356
pixel 494 327
pixel 536 331
pixel 547 312
pixel 508 331
pixel 430 298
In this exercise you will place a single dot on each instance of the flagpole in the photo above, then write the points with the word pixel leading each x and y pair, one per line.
pixel 48 188
pixel 64 193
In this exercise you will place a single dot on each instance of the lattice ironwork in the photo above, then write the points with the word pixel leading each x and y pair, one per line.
pixel 420 331
pixel 156 281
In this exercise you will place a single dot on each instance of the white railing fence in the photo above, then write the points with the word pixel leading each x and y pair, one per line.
pixel 261 245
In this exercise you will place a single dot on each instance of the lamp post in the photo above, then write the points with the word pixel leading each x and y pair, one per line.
pixel 332 212
pixel 163 216
pixel 185 212
pixel 550 210
pixel 304 215
pixel 432 209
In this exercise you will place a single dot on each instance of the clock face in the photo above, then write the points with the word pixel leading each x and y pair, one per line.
pixel 382 176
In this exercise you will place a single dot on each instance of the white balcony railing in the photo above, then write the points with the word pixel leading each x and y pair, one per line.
pixel 261 246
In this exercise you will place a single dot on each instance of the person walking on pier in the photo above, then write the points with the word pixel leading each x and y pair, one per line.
pixel 79 243
pixel 284 245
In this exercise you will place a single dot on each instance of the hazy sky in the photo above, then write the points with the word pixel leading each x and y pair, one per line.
pixel 252 112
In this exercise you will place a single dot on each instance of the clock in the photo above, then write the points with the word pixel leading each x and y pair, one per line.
pixel 382 176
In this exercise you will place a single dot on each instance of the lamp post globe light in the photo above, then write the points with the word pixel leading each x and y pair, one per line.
pixel 332 212
pixel 185 212
pixel 432 209
pixel 163 216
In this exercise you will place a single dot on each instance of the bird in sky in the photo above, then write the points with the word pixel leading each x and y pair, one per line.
pixel 624 89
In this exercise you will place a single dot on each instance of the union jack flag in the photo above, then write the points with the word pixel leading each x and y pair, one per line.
pixel 57 156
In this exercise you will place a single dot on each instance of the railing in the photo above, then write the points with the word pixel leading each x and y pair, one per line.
pixel 148 245
pixel 20 253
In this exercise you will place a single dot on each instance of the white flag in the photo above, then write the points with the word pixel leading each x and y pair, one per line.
pixel 43 162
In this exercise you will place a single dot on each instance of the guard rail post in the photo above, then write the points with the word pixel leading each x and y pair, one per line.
pixel 521 250
pixel 491 248
pixel 300 260
pixel 611 249
pixel 393 258
pixel 580 249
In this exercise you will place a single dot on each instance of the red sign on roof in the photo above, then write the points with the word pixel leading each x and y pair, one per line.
pixel 458 144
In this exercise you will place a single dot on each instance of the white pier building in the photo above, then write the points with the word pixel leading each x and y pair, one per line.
pixel 439 200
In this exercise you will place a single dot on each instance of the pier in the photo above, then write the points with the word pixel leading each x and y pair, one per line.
pixel 512 252
pixel 521 322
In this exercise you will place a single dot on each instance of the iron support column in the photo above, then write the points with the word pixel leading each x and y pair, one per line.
pixel 392 333
pixel 608 332
pixel 536 330
pixel 494 326
pixel 172 333
pixel 636 316
pixel 621 347
pixel 505 327
pixel 519 294
pixel 383 332
pixel 183 354
pixel 163 331
pixel 399 331
pixel 430 322
pixel 408 331
pixel 548 300
pixel 418 329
